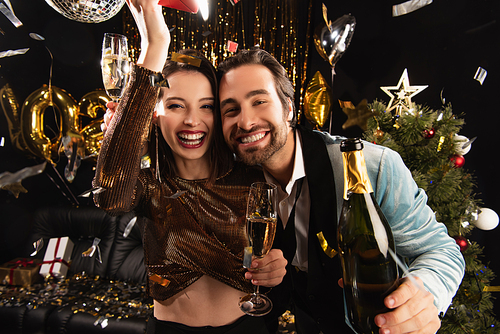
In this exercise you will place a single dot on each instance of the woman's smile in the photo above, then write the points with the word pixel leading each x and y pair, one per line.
pixel 191 139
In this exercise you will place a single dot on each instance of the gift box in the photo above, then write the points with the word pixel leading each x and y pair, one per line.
pixel 20 271
pixel 57 257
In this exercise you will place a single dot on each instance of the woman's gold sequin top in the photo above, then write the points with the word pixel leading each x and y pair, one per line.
pixel 192 229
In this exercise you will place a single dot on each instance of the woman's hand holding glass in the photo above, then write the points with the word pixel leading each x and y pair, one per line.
pixel 108 115
pixel 115 64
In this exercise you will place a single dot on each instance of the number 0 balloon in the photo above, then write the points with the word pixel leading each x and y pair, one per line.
pixel 26 126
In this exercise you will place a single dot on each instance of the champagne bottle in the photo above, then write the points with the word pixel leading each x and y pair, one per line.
pixel 364 237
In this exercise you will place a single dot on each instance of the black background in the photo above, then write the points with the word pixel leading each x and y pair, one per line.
pixel 441 45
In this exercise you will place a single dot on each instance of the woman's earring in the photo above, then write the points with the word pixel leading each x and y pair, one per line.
pixel 157 156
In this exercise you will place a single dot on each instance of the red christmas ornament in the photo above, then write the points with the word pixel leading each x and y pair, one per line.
pixel 428 134
pixel 458 160
pixel 379 134
pixel 461 242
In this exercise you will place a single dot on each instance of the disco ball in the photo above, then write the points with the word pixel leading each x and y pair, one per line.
pixel 87 11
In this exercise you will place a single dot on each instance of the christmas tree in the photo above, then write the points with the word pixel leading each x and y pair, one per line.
pixel 431 147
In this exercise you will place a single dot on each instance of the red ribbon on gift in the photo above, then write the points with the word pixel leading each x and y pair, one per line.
pixel 17 264
pixel 56 260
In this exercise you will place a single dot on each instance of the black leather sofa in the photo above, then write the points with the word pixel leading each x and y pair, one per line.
pixel 89 282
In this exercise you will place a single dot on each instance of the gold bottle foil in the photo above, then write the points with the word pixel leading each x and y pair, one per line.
pixel 355 175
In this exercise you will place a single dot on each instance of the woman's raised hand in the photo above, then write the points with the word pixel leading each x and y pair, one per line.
pixel 155 36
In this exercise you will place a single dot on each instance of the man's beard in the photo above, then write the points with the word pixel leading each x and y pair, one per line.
pixel 259 155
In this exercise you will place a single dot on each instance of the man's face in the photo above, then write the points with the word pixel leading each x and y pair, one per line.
pixel 254 123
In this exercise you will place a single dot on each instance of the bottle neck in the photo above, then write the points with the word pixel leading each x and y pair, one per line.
pixel 355 174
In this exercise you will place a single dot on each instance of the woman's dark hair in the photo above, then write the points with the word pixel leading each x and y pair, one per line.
pixel 221 157
pixel 257 56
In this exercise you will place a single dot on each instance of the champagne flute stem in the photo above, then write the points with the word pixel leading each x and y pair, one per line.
pixel 256 298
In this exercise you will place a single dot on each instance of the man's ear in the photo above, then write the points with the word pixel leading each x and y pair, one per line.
pixel 290 109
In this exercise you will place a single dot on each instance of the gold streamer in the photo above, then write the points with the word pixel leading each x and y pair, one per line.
pixel 491 289
pixel 275 29
pixel 186 59
pixel 160 280
pixel 324 245
pixel 304 50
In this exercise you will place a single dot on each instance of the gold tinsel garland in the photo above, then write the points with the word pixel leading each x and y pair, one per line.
pixel 275 29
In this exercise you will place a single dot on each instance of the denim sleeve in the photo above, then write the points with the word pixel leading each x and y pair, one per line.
pixel 433 255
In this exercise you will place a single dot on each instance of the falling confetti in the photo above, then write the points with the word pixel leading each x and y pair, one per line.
pixel 409 6
pixel 10 15
pixel 480 75
pixel 232 46
pixel 10 53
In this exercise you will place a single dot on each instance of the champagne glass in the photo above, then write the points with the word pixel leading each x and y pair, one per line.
pixel 261 226
pixel 115 64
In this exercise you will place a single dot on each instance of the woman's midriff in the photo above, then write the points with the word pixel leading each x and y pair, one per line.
pixel 206 302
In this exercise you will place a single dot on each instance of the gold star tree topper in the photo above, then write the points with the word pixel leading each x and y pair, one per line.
pixel 403 93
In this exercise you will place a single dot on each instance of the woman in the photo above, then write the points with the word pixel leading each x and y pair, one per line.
pixel 194 194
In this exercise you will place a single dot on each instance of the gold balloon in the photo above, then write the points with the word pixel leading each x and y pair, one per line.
pixel 318 100
pixel 91 102
pixel 26 126
pixel 32 124
pixel 10 108
pixel 93 137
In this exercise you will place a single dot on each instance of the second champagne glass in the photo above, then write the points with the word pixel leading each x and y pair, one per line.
pixel 115 64
pixel 261 228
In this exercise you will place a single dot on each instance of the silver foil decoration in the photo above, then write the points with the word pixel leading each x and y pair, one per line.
pixel 37 245
pixel 7 178
pixel 129 227
pixel 480 75
pixel 409 6
pixel 179 193
pixel 10 53
pixel 95 190
pixel 91 251
pixel 9 13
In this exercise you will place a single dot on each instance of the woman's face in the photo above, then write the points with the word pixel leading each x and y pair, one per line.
pixel 186 116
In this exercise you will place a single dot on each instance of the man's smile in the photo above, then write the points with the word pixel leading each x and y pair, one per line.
pixel 252 138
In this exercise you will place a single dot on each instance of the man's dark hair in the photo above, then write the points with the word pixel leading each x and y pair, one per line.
pixel 284 86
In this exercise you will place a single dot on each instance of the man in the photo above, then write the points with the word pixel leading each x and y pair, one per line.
pixel 259 124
